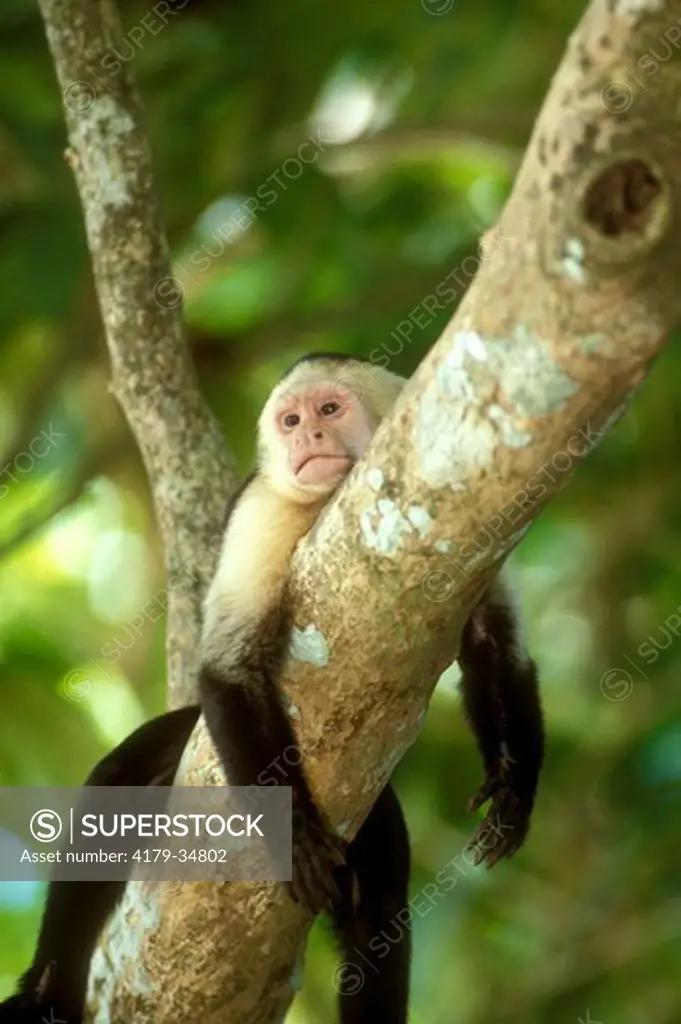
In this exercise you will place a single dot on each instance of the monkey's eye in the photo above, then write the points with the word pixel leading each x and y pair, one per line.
pixel 291 420
pixel 329 408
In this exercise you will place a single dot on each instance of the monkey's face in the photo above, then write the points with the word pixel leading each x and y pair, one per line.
pixel 318 431
pixel 324 430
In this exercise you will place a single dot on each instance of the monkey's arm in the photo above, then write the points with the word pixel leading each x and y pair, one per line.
pixel 501 699
pixel 54 986
pixel 253 736
pixel 244 642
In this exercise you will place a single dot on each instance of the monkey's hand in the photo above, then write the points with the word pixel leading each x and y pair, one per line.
pixel 318 854
pixel 507 822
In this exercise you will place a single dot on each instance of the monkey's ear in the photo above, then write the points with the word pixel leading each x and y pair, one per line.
pixel 381 387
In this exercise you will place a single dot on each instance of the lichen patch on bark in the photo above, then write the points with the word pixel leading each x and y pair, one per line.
pixel 309 645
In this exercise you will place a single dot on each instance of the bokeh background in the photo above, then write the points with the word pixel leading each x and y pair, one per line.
pixel 418 114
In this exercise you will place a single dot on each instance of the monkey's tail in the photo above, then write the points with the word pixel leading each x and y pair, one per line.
pixel 54 986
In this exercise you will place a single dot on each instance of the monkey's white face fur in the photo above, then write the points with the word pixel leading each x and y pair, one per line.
pixel 318 422
pixel 315 425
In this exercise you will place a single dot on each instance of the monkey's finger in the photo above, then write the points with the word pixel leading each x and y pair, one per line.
pixel 480 798
pixel 303 891
pixel 485 793
pixel 481 855
pixel 506 825
pixel 314 884
pixel 337 851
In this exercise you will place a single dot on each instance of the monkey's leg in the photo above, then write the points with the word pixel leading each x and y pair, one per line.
pixel 373 923
pixel 54 986
pixel 501 700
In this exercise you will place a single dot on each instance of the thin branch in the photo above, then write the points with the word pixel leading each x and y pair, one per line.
pixel 182 447
pixel 388 148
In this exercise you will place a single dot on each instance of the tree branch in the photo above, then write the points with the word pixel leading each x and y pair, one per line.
pixel 577 290
pixel 183 449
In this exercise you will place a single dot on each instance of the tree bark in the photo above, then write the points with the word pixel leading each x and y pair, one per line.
pixel 189 467
pixel 575 292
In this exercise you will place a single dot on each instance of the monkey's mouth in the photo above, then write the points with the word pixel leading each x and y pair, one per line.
pixel 317 469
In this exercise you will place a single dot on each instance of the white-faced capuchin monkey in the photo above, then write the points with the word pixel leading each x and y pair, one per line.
pixel 311 432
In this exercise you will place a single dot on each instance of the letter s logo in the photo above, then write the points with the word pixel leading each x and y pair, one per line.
pixel 45 826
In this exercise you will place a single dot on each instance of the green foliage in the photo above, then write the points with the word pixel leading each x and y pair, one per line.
pixel 415 125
